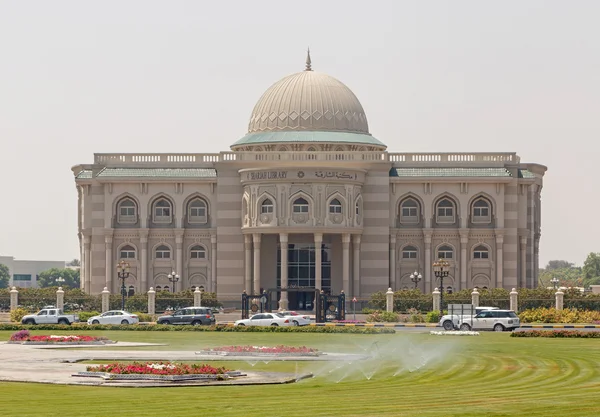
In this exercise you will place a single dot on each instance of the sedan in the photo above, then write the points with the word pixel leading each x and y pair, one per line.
pixel 265 319
pixel 297 319
pixel 114 317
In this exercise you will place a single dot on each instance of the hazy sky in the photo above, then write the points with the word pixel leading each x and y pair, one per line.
pixel 183 76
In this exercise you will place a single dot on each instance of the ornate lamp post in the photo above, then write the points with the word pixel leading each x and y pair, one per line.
pixel 59 281
pixel 555 282
pixel 416 277
pixel 123 274
pixel 441 269
pixel 173 277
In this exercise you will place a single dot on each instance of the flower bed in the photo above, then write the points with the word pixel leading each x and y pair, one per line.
pixel 25 338
pixel 454 333
pixel 261 351
pixel 557 334
pixel 161 371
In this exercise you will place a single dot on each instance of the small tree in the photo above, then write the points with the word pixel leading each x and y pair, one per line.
pixel 74 262
pixel 50 277
pixel 4 276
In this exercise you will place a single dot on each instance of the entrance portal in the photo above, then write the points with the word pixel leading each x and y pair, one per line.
pixel 301 273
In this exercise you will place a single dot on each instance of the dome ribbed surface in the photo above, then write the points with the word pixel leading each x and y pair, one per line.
pixel 307 101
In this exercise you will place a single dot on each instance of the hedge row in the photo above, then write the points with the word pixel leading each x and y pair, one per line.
pixel 218 328
pixel 557 334
pixel 551 315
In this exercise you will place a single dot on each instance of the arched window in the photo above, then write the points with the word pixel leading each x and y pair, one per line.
pixel 131 291
pixel 163 252
pixel 449 290
pixel 409 211
pixel 197 211
pixel 335 207
pixel 445 211
pixel 481 252
pixel 198 252
pixel 162 211
pixel 445 252
pixel 166 288
pixel 409 252
pixel 127 252
pixel 266 207
pixel 300 206
pixel 158 288
pixel 357 208
pixel 126 211
pixel 481 211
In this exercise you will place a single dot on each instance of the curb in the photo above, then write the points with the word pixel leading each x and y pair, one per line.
pixel 377 325
pixel 560 326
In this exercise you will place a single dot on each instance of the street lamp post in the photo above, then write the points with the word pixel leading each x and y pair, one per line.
pixel 555 282
pixel 173 277
pixel 441 269
pixel 59 281
pixel 416 277
pixel 123 274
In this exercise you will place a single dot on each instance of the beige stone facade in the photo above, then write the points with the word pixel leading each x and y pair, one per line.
pixel 308 175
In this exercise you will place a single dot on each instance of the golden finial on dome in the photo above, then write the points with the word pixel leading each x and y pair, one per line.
pixel 308 61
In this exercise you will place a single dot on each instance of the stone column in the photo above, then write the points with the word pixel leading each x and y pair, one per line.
pixel 318 261
pixel 197 297
pixel 464 240
pixel 87 261
pixel 143 260
pixel 346 263
pixel 499 260
pixel 151 301
pixel 389 300
pixel 105 300
pixel 475 297
pixel 213 263
pixel 60 298
pixel 356 266
pixel 560 297
pixel 256 238
pixel 179 261
pixel 283 243
pixel 523 268
pixel 392 282
pixel 109 264
pixel 14 298
pixel 436 299
pixel 427 239
pixel 514 300
pixel 248 264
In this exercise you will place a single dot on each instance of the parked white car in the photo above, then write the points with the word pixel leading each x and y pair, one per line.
pixel 496 320
pixel 297 319
pixel 265 319
pixel 452 321
pixel 114 317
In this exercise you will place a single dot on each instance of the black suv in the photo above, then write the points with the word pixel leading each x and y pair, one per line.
pixel 189 315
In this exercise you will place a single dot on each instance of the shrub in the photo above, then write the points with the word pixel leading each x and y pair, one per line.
pixel 144 317
pixel 556 334
pixel 433 317
pixel 551 315
pixel 17 314
pixel 383 316
pixel 415 316
pixel 20 336
pixel 85 315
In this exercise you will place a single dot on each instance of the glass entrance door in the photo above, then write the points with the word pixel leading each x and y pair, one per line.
pixel 301 273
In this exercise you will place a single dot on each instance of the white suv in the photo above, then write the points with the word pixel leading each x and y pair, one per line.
pixel 452 321
pixel 497 320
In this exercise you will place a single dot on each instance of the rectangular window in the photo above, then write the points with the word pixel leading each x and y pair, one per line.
pixel 198 211
pixel 481 211
pixel 300 208
pixel 409 254
pixel 127 254
pixel 265 209
pixel 163 254
pixel 162 211
pixel 22 277
pixel 127 211
pixel 335 209
pixel 445 212
pixel 445 254
pixel 480 255
pixel 409 212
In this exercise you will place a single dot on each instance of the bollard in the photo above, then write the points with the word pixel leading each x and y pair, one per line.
pixel 151 301
pixel 60 298
pixel 436 299
pixel 514 300
pixel 560 297
pixel 105 300
pixel 14 298
pixel 389 301
pixel 475 297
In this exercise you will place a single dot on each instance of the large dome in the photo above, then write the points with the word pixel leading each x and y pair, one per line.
pixel 308 100
pixel 308 106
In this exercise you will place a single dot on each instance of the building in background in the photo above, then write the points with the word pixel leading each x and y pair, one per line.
pixel 23 274
pixel 307 199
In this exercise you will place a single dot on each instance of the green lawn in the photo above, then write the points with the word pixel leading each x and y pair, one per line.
pixel 489 375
